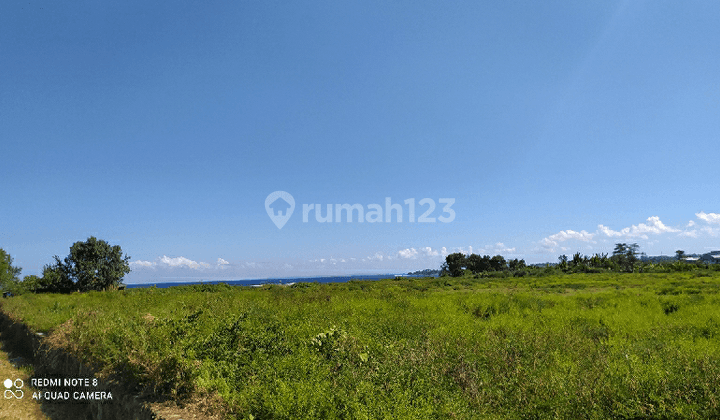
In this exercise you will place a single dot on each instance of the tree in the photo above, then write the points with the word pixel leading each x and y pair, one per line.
pixel 444 270
pixel 478 264
pixel 633 250
pixel 516 264
pixel 8 274
pixel 577 259
pixel 91 265
pixel 497 263
pixel 599 261
pixel 456 264
pixel 626 256
pixel 54 280
pixel 31 282
pixel 680 254
pixel 620 250
pixel 563 262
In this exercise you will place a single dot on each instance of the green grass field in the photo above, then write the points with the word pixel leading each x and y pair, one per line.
pixel 593 346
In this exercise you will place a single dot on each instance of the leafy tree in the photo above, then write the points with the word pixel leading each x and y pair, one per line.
pixel 577 259
pixel 515 265
pixel 620 250
pixel 625 256
pixel 444 270
pixel 8 274
pixel 54 280
pixel 634 250
pixel 580 263
pixel 478 264
pixel 632 256
pixel 486 263
pixel 563 262
pixel 599 261
pixel 680 254
pixel 456 264
pixel 474 263
pixel 497 263
pixel 91 265
pixel 7 271
pixel 30 282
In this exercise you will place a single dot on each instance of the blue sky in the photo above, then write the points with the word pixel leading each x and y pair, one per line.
pixel 162 127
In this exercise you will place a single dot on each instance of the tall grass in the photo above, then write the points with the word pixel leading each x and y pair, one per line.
pixel 574 346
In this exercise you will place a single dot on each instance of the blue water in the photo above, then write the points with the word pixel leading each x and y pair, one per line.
pixel 256 282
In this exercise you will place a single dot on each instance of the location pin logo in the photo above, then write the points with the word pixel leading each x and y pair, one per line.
pixel 279 206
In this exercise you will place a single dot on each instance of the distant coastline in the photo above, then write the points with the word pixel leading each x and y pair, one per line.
pixel 279 281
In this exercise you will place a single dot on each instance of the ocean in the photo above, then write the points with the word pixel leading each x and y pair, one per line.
pixel 260 282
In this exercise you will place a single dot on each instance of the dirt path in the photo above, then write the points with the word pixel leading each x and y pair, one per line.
pixel 12 407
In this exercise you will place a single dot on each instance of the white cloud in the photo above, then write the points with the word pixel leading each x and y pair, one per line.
pixel 713 218
pixel 378 256
pixel 553 241
pixel 429 252
pixel 179 262
pixel 141 263
pixel 607 231
pixel 408 253
pixel 412 253
pixel 653 226
pixel 500 248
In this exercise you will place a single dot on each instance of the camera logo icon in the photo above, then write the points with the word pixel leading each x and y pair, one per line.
pixel 9 392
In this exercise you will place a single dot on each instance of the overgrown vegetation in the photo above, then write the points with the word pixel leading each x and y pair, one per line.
pixel 586 346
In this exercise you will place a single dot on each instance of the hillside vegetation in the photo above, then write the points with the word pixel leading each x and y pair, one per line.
pixel 590 346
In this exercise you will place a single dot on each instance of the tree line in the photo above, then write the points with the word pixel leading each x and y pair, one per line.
pixel 626 258
pixel 91 265
pixel 456 264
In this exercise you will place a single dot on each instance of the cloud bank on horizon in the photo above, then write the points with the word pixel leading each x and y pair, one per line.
pixel 417 258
